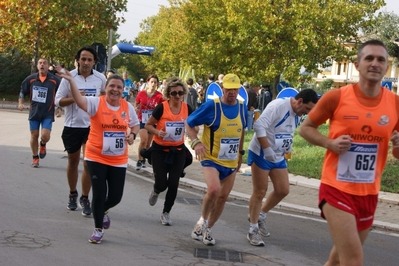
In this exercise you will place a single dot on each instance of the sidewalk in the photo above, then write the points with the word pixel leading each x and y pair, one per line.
pixel 303 196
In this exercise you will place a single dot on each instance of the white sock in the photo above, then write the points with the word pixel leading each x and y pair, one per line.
pixel 252 227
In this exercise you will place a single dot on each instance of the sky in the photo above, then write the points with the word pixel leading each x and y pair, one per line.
pixel 139 10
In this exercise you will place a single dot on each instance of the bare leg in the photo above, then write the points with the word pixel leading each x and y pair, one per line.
pixel 281 185
pixel 348 242
pixel 259 187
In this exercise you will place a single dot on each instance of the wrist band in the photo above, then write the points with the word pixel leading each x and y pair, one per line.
pixel 194 143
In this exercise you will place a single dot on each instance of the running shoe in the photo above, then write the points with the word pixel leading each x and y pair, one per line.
pixel 35 162
pixel 198 231
pixel 262 227
pixel 73 202
pixel 139 164
pixel 165 219
pixel 42 151
pixel 85 204
pixel 106 221
pixel 152 199
pixel 207 239
pixel 255 238
pixel 97 236
pixel 143 163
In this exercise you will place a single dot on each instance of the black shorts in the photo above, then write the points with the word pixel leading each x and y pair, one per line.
pixel 73 138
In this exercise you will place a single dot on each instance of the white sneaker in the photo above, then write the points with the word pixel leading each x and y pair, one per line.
pixel 255 238
pixel 207 238
pixel 198 231
pixel 165 219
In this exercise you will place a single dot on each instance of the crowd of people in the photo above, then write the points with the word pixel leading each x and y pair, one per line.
pixel 163 113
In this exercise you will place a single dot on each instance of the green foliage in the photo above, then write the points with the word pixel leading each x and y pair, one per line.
pixel 326 85
pixel 257 40
pixel 14 69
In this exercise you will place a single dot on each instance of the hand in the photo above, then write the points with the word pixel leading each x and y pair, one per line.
pixel 200 149
pixel 395 139
pixel 340 145
pixel 269 155
pixel 21 106
pixel 130 139
pixel 161 133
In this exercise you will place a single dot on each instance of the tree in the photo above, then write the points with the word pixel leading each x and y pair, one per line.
pixel 56 29
pixel 386 29
pixel 258 40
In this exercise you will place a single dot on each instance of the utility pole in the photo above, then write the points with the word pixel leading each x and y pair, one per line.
pixel 109 50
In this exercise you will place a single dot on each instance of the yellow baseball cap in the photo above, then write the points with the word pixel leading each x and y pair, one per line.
pixel 231 81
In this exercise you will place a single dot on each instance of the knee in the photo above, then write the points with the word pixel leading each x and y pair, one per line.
pixel 282 192
pixel 45 138
pixel 213 192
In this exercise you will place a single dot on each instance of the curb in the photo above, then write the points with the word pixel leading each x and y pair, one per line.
pixel 294 180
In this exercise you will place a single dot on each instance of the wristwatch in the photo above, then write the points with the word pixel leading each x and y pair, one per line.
pixel 134 135
pixel 242 152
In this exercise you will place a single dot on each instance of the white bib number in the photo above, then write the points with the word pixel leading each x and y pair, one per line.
pixel 228 148
pixel 39 94
pixel 145 115
pixel 114 143
pixel 174 131
pixel 90 91
pixel 358 164
pixel 283 142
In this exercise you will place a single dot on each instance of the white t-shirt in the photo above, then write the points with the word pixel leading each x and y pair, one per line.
pixel 278 123
pixel 93 85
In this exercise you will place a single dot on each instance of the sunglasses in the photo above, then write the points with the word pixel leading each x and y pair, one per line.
pixel 174 93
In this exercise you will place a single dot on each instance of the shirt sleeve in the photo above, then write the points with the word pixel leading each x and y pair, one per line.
pixel 62 92
pixel 325 107
pixel 92 105
pixel 134 120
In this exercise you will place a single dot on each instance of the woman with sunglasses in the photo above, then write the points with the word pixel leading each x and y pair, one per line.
pixel 145 102
pixel 168 152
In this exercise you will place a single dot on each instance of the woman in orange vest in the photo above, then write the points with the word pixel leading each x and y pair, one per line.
pixel 113 124
pixel 168 152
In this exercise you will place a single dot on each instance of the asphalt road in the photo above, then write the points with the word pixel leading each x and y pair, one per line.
pixel 37 229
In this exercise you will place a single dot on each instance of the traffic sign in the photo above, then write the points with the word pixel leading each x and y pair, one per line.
pixel 287 92
pixel 387 85
pixel 213 91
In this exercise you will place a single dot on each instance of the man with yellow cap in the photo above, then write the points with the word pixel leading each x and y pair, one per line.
pixel 220 151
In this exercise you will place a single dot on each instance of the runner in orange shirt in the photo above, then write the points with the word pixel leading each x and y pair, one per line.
pixel 113 125
pixel 363 120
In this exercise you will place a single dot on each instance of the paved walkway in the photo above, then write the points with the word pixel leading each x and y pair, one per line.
pixel 303 196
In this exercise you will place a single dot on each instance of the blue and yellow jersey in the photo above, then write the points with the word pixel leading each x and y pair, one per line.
pixel 223 127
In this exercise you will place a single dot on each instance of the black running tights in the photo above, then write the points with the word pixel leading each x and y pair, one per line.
pixel 107 184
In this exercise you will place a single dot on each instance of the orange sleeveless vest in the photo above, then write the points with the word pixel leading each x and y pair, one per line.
pixel 359 170
pixel 107 139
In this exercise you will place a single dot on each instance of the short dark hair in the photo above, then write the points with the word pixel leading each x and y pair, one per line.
pixel 307 95
pixel 369 42
pixel 89 49
pixel 152 76
pixel 211 77
pixel 190 81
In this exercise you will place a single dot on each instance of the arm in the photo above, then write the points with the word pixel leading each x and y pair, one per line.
pixel 23 92
pixel 80 100
pixel 308 130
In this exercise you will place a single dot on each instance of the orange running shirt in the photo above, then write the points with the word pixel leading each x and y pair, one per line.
pixel 370 123
pixel 107 138
pixel 173 125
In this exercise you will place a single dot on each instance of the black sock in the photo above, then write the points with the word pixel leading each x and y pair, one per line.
pixel 35 156
pixel 83 196
pixel 41 143
pixel 73 192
